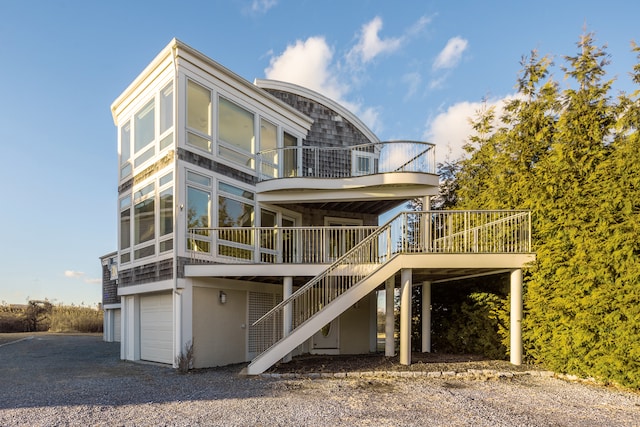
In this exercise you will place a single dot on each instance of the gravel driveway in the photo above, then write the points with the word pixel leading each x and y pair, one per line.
pixel 79 380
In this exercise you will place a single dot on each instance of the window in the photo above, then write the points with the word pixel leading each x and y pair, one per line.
pixel 125 150
pixel 166 116
pixel 144 126
pixel 268 148
pixel 363 163
pixel 144 221
pixel 235 209
pixel 290 167
pixel 236 133
pixel 166 108
pixel 199 116
pixel 198 212
pixel 144 226
pixel 166 212
pixel 125 229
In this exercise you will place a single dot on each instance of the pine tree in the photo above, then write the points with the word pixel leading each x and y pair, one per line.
pixel 561 293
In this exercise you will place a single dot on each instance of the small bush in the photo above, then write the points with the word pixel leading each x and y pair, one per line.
pixel 185 359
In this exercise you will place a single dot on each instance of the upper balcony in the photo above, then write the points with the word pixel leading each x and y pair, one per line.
pixel 375 176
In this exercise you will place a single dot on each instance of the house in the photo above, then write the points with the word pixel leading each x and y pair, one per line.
pixel 248 223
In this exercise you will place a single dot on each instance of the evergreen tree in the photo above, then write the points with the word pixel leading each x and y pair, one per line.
pixel 562 297
pixel 573 158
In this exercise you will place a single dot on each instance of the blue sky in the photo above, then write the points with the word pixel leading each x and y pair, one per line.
pixel 411 69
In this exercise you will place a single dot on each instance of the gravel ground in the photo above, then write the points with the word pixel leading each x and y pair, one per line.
pixel 57 380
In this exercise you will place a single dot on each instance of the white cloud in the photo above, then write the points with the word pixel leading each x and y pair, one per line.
pixel 80 275
pixel 71 273
pixel 450 130
pixel 262 6
pixel 370 44
pixel 308 63
pixel 450 56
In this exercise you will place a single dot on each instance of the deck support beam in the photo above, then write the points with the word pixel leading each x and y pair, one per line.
pixel 287 321
pixel 405 316
pixel 515 349
pixel 389 320
pixel 426 317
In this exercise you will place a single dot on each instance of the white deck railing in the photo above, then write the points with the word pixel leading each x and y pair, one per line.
pixel 448 232
pixel 274 245
pixel 345 162
pixel 408 233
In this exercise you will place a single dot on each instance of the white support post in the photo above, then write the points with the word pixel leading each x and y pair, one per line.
pixel 426 223
pixel 405 316
pixel 287 321
pixel 373 322
pixel 426 317
pixel 177 325
pixel 516 317
pixel 389 320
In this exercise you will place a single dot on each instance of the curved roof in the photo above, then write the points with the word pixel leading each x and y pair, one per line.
pixel 319 98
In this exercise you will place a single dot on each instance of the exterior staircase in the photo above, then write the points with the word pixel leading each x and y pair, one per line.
pixel 373 260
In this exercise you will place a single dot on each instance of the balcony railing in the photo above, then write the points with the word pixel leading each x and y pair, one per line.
pixel 274 245
pixel 345 162
pixel 493 232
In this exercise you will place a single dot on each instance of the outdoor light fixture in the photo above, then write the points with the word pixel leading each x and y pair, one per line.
pixel 222 297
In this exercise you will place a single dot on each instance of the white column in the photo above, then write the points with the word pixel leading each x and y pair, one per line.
pixel 287 290
pixel 373 322
pixel 516 317
pixel 177 326
pixel 405 316
pixel 426 317
pixel 389 320
pixel 426 223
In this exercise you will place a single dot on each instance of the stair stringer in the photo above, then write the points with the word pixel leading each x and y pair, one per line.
pixel 272 355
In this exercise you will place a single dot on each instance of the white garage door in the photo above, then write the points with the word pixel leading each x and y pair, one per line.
pixel 116 325
pixel 156 331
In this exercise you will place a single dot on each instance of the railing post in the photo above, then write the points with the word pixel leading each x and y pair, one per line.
pixel 316 161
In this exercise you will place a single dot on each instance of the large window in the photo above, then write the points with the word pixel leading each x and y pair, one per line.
pixel 166 116
pixel 235 209
pixel 199 116
pixel 268 147
pixel 236 133
pixel 139 136
pixel 125 150
pixel 198 212
pixel 144 126
pixel 166 212
pixel 144 216
pixel 290 166
pixel 125 229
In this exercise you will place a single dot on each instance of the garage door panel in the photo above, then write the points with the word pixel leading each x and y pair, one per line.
pixel 156 331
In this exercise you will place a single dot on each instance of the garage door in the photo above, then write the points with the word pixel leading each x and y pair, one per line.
pixel 156 332
pixel 116 325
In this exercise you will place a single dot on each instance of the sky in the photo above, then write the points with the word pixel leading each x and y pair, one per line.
pixel 412 70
